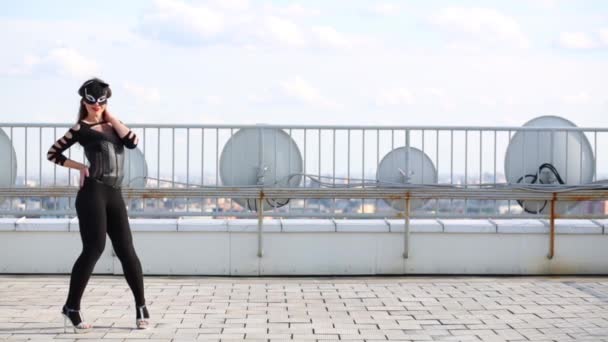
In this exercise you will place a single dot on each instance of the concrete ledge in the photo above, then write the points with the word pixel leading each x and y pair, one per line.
pixel 35 251
pixel 202 246
pixel 603 224
pixel 308 226
pixel 153 225
pixel 361 226
pixel 8 224
pixel 520 226
pixel 201 225
pixel 326 253
pixel 468 226
pixel 185 252
pixel 251 225
pixel 416 226
pixel 43 224
pixel 74 226
pixel 563 226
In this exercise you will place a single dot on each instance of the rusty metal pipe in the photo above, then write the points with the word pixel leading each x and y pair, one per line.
pixel 406 233
pixel 552 227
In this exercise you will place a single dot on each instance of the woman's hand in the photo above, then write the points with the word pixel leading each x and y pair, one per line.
pixel 118 126
pixel 84 172
pixel 107 116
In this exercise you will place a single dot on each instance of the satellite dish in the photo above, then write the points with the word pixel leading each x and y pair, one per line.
pixel 261 157
pixel 136 169
pixel 392 171
pixel 549 157
pixel 8 173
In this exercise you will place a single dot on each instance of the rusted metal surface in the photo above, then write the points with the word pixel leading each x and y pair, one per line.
pixel 552 231
pixel 406 233
pixel 260 224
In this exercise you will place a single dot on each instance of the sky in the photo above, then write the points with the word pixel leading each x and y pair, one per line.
pixel 355 62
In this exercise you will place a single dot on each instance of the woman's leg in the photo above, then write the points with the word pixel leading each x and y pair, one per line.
pixel 122 241
pixel 90 207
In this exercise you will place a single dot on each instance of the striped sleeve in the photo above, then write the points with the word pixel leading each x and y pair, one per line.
pixel 70 137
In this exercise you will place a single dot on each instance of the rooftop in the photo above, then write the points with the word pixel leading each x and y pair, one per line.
pixel 315 308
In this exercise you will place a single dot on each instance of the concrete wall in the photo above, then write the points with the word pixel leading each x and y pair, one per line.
pixel 204 246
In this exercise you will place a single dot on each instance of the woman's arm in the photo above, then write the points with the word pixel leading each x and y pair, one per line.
pixel 129 138
pixel 72 164
pixel 55 153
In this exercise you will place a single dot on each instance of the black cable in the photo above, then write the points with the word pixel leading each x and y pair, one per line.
pixel 535 178
pixel 276 203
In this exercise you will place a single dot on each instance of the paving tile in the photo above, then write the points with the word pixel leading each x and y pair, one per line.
pixel 314 308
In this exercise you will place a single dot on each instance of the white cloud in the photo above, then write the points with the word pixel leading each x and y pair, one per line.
pixel 436 92
pixel 577 40
pixel 283 31
pixel 329 36
pixel 262 96
pixel 353 79
pixel 300 90
pixel 289 33
pixel 547 4
pixel 72 62
pixel 395 97
pixel 485 24
pixel 289 91
pixel 63 61
pixel 603 35
pixel 436 96
pixel 386 9
pixel 584 40
pixel 580 98
pixel 187 117
pixel 233 5
pixel 142 93
pixel 213 100
pixel 183 22
pixel 292 10
pixel 25 67
pixel 487 101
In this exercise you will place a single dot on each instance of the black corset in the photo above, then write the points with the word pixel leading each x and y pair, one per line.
pixel 104 151
pixel 106 160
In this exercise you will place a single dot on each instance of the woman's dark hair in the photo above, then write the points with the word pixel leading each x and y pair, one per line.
pixel 82 110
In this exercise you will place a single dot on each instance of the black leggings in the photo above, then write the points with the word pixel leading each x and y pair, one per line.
pixel 101 209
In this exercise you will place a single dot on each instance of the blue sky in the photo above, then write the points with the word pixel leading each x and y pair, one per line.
pixel 309 62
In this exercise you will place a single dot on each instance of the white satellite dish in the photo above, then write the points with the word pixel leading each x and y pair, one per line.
pixel 261 157
pixel 392 171
pixel 135 169
pixel 8 173
pixel 549 157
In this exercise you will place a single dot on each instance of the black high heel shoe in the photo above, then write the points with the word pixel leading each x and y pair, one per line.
pixel 142 317
pixel 75 319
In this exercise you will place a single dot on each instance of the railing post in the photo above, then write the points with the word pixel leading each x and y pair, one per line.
pixel 406 233
pixel 552 228
pixel 260 207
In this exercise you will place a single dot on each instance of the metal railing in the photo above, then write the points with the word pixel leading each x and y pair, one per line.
pixel 338 175
pixel 185 174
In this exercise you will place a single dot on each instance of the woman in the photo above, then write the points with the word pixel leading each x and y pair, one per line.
pixel 99 203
